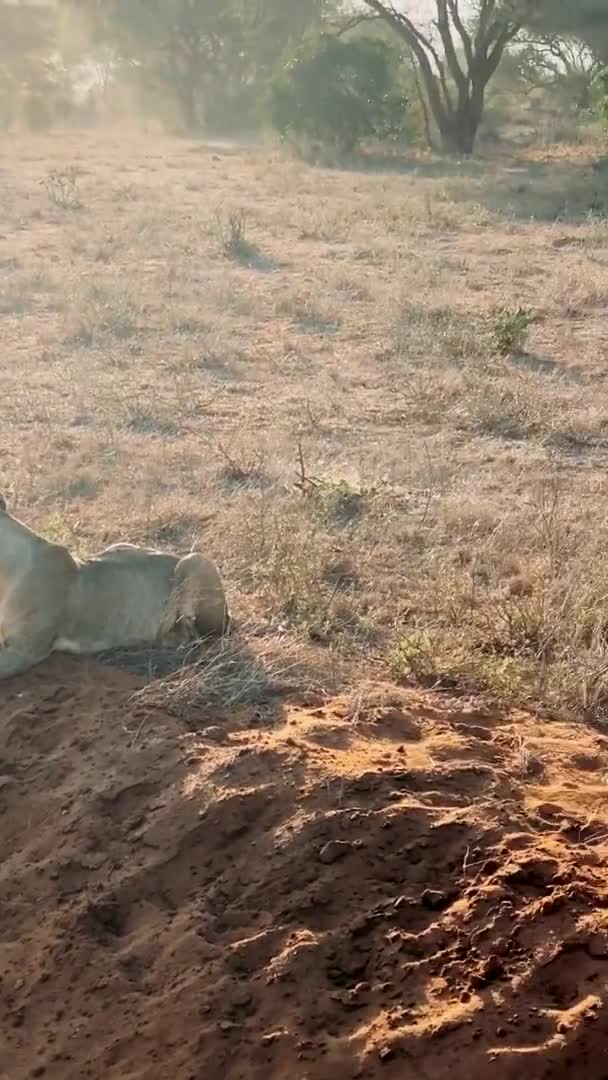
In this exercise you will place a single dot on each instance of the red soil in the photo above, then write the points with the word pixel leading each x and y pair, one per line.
pixel 407 890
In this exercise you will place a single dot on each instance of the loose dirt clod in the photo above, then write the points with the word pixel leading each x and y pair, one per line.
pixel 334 850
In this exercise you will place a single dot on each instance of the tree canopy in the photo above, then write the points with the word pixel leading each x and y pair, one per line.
pixel 209 56
pixel 201 63
pixel 30 72
pixel 585 19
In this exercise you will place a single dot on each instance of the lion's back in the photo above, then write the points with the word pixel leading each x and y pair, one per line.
pixel 120 598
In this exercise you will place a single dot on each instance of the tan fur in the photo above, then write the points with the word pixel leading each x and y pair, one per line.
pixel 124 596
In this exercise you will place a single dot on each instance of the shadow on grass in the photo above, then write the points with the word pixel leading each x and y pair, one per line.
pixel 567 191
pixel 218 676
pixel 552 190
pixel 396 161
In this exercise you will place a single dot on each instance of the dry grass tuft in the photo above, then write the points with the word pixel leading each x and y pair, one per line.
pixel 221 678
pixel 62 188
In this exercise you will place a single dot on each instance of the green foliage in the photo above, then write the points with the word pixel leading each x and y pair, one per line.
pixel 31 79
pixel 600 88
pixel 175 50
pixel 510 330
pixel 340 92
pixel 341 501
pixel 563 67
pixel 412 657
pixel 585 19
pixel 206 62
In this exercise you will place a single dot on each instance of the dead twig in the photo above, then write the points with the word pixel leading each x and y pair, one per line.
pixel 304 482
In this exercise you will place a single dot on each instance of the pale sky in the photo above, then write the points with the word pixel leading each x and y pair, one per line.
pixel 424 10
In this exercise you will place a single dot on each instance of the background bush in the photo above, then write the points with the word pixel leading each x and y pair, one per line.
pixel 339 93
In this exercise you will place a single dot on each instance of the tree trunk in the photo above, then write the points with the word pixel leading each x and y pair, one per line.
pixel 458 132
pixel 183 78
pixel 187 103
pixel 426 119
pixel 460 125
pixel 185 89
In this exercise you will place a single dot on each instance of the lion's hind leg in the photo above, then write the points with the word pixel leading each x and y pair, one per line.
pixel 200 600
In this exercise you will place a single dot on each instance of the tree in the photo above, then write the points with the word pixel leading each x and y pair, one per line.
pixel 583 19
pixel 177 47
pixel 456 58
pixel 31 78
pixel 562 65
pixel 208 56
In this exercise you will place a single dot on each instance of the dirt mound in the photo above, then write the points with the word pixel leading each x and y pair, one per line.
pixel 393 885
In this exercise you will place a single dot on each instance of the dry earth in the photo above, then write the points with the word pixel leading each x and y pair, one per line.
pixel 386 885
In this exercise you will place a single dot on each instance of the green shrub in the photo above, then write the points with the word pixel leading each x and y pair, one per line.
pixel 600 94
pixel 340 92
pixel 511 330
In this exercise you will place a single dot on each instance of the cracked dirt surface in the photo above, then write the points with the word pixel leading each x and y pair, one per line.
pixel 390 884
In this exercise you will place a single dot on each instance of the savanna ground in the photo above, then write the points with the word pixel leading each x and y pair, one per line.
pixel 189 331
pixel 319 377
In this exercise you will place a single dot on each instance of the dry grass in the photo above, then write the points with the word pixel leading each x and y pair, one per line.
pixel 220 678
pixel 302 371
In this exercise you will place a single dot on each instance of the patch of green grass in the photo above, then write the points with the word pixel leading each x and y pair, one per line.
pixel 510 330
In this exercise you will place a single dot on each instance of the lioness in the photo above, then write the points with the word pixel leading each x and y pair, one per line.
pixel 124 596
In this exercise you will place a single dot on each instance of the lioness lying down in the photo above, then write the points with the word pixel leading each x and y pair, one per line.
pixel 124 596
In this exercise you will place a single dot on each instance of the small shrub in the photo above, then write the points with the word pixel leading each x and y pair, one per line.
pixel 343 502
pixel 600 95
pixel 144 418
pixel 494 407
pixel 510 331
pixel 243 468
pixel 62 189
pixel 441 333
pixel 412 657
pixel 102 310
pixel 231 231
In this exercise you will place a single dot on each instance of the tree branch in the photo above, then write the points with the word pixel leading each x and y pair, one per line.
pixel 356 20
pixel 419 45
pixel 426 120
pixel 504 37
pixel 465 37
pixel 445 33
pixel 485 12
pixel 404 26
